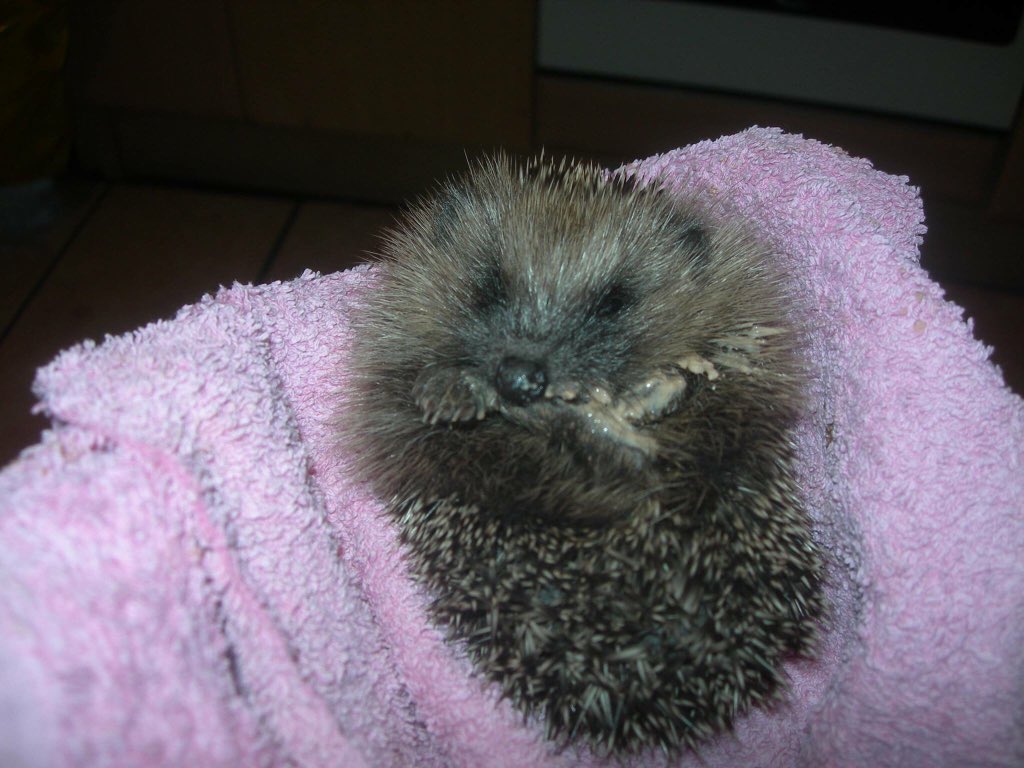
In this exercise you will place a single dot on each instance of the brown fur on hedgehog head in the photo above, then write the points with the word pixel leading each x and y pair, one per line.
pixel 575 396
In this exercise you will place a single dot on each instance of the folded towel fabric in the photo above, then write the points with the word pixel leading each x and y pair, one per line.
pixel 189 576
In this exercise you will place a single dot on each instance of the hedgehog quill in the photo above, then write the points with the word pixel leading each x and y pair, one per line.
pixel 575 396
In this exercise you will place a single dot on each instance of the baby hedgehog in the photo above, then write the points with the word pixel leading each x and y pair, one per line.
pixel 575 396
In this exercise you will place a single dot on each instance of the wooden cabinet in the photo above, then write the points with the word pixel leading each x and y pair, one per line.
pixel 371 99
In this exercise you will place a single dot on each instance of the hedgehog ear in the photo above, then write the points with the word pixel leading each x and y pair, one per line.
pixel 693 237
pixel 694 241
pixel 448 207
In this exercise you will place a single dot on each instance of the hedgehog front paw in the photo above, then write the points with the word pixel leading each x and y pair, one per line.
pixel 448 395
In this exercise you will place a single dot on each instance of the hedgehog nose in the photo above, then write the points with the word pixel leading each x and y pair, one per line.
pixel 521 381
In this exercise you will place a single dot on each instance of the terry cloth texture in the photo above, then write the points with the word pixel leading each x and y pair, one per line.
pixel 189 577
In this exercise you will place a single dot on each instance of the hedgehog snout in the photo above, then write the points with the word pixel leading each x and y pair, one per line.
pixel 520 381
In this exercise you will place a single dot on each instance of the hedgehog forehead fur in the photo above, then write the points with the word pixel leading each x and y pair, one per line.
pixel 575 396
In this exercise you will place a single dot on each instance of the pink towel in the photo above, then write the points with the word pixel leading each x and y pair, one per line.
pixel 188 577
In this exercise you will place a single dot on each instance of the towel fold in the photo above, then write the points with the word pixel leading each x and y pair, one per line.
pixel 189 576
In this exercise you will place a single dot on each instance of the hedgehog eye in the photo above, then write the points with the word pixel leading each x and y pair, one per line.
pixel 612 301
pixel 491 290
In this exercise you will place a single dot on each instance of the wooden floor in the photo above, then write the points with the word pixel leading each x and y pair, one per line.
pixel 116 257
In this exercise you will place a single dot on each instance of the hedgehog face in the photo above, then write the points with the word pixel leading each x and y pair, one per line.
pixel 537 306
pixel 575 398
pixel 549 303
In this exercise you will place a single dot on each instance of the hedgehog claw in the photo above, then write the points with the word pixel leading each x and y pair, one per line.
pixel 451 395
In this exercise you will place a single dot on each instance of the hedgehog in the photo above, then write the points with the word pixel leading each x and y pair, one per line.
pixel 575 396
